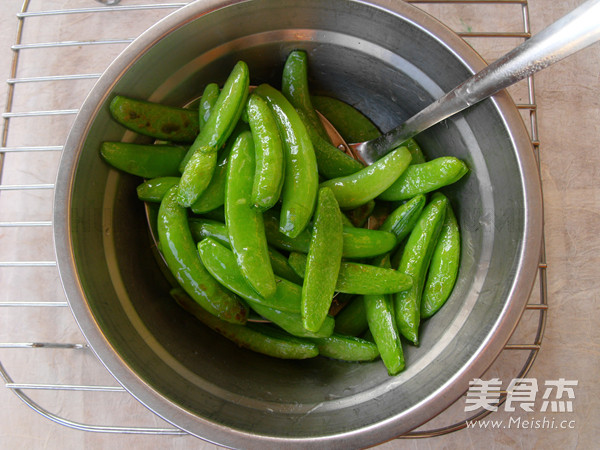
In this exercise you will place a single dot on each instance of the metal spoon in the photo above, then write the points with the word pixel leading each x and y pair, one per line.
pixel 573 32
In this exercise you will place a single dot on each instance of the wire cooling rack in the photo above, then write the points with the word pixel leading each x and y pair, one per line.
pixel 48 44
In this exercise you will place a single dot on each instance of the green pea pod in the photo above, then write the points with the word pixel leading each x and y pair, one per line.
pixel 167 123
pixel 155 189
pixel 352 319
pixel 379 313
pixel 426 177
pixel 355 278
pixel 357 189
pixel 402 220
pixel 244 222
pixel 331 161
pixel 294 85
pixel 443 268
pixel 301 180
pixel 415 150
pixel 147 161
pixel 201 160
pixel 346 348
pixel 203 228
pixel 357 242
pixel 268 176
pixel 207 102
pixel 253 336
pixel 180 253
pixel 292 322
pixel 221 264
pixel 352 125
pixel 415 262
pixel 323 261
pixel 214 194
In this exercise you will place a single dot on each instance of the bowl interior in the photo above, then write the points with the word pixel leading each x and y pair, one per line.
pixel 389 60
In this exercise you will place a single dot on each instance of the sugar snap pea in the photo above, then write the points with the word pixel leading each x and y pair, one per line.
pixel 357 278
pixel 268 176
pixel 346 348
pixel 147 161
pixel 253 336
pixel 415 262
pixel 221 263
pixel 301 181
pixel 323 261
pixel 426 177
pixel 292 322
pixel 402 220
pixel 154 190
pixel 201 158
pixel 294 85
pixel 207 102
pixel 357 242
pixel 357 189
pixel 203 228
pixel 443 268
pixel 244 222
pixel 352 125
pixel 352 319
pixel 379 313
pixel 331 161
pixel 156 120
pixel 181 256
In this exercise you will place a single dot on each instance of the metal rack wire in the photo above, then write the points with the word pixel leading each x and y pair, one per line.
pixel 24 81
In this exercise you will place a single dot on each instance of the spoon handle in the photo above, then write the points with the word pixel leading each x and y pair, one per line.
pixel 571 33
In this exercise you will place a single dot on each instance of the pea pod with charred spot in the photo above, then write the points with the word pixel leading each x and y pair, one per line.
pixel 244 222
pixel 201 160
pixel 357 242
pixel 402 220
pixel 359 188
pixel 443 268
pixel 222 265
pixel 180 253
pixel 379 313
pixel 147 161
pixel 415 262
pixel 269 172
pixel 425 178
pixel 356 278
pixel 294 85
pixel 346 348
pixel 301 180
pixel 323 261
pixel 155 189
pixel 159 121
pixel 253 336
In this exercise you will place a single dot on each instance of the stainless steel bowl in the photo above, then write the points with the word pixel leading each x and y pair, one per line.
pixel 390 60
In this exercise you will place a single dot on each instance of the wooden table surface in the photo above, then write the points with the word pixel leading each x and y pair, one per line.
pixel 568 102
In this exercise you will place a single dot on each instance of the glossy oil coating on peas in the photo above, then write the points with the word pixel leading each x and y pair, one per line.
pixel 155 189
pixel 244 221
pixel 443 268
pixel 402 220
pixel 147 161
pixel 159 121
pixel 415 262
pixel 255 337
pixel 221 263
pixel 356 278
pixel 426 177
pixel 269 172
pixel 357 189
pixel 323 261
pixel 207 103
pixel 181 256
pixel 301 181
pixel 202 155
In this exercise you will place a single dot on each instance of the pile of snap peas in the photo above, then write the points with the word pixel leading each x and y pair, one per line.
pixel 261 217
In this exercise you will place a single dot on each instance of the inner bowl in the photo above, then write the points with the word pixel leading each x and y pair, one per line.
pixel 388 59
